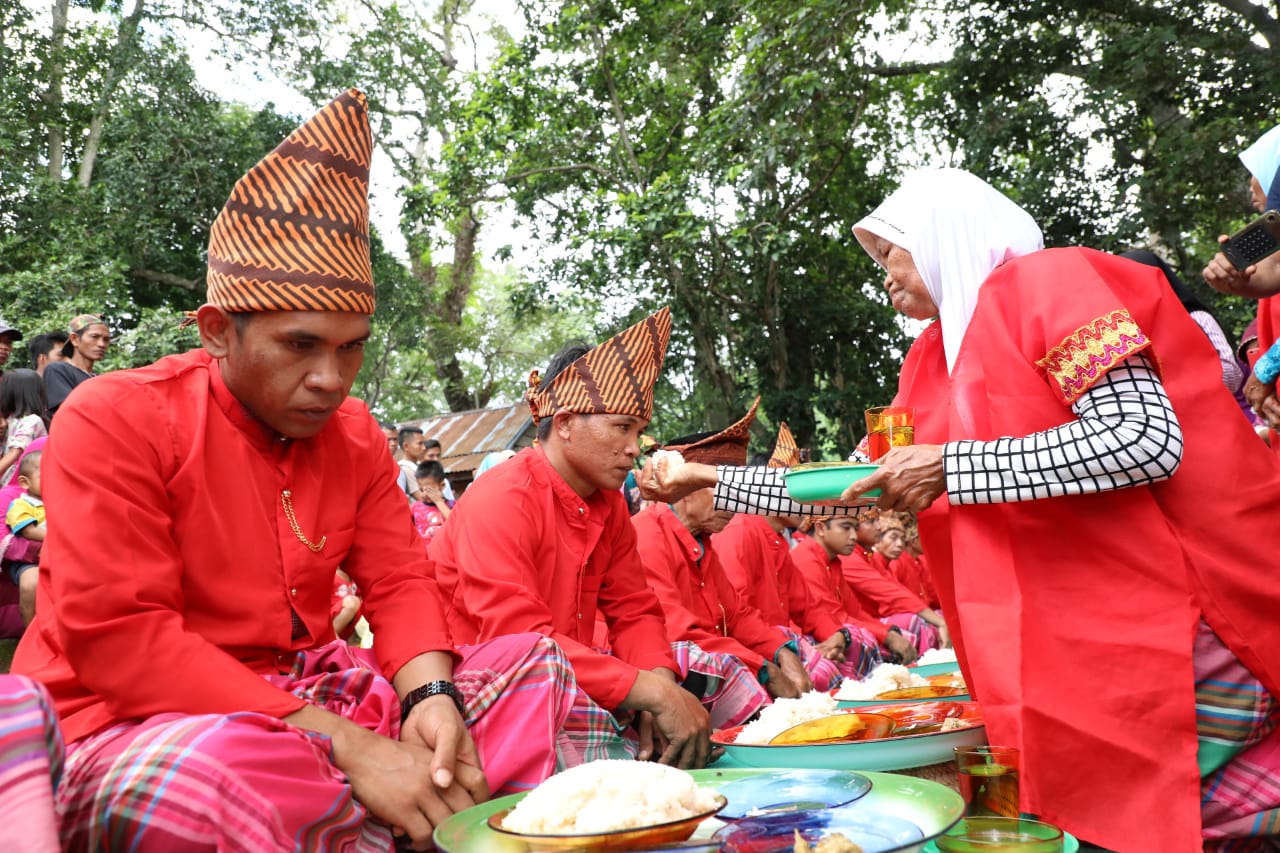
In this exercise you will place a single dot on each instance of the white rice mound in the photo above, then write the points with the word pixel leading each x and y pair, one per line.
pixel 609 795
pixel 882 679
pixel 785 713
pixel 937 656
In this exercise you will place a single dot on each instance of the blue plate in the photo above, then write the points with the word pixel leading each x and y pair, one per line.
pixel 871 830
pixel 792 791
pixel 934 669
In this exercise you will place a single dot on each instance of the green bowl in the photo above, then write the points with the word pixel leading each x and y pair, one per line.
pixel 818 482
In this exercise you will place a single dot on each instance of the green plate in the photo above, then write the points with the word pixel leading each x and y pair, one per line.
pixel 932 807
pixel 818 482
pixel 934 669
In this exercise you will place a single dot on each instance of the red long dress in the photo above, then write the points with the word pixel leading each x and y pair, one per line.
pixel 1074 617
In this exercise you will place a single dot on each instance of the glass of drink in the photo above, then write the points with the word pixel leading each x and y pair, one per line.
pixel 888 427
pixel 988 777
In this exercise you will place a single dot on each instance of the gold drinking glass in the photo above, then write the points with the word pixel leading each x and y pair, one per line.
pixel 889 427
pixel 988 777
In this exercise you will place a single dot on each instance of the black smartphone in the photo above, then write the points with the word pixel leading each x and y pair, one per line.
pixel 1254 242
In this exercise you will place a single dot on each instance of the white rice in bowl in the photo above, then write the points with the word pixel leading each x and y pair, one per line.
pixel 882 679
pixel 937 656
pixel 607 796
pixel 785 713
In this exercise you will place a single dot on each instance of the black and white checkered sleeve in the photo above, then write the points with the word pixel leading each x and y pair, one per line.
pixel 1127 435
pixel 762 491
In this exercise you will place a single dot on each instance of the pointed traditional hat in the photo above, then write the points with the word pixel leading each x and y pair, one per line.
pixel 294 235
pixel 726 447
pixel 615 378
pixel 785 452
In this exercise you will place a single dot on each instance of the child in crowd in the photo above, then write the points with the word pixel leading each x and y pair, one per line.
pixel 430 513
pixel 344 606
pixel 22 403
pixel 26 520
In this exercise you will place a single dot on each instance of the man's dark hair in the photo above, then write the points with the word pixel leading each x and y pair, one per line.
pixel 43 344
pixel 690 439
pixel 386 425
pixel 565 357
pixel 759 460
pixel 241 319
pixel 408 432
pixel 430 443
pixel 430 470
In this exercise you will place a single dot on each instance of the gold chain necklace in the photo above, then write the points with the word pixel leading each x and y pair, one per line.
pixel 286 500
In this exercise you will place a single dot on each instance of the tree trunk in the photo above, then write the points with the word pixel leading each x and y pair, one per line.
pixel 53 95
pixel 448 288
pixel 122 57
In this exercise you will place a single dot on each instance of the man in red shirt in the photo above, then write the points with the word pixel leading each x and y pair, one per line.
pixel 699 603
pixel 818 557
pixel 204 698
pixel 755 552
pixel 544 541
pixel 881 594
pixel 910 568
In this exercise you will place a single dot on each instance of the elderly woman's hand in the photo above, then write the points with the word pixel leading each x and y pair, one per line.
pixel 909 478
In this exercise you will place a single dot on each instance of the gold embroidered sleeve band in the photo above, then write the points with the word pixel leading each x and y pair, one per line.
pixel 1074 365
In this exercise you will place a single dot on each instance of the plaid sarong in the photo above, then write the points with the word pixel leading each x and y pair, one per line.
pixel 1239 751
pixel 921 634
pixel 248 781
pixel 733 695
pixel 31 758
pixel 859 662
pixel 822 672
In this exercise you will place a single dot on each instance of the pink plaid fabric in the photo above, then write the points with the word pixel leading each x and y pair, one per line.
pixel 822 672
pixel 733 694
pixel 31 757
pixel 248 781
pixel 921 634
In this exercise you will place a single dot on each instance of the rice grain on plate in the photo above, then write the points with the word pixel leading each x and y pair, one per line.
pixel 609 795
pixel 785 713
pixel 882 679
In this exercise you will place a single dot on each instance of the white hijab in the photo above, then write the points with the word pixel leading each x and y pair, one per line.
pixel 1262 158
pixel 958 228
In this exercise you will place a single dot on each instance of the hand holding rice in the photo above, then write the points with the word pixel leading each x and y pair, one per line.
pixel 607 796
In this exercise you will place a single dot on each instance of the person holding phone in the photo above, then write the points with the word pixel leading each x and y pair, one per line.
pixel 1259 281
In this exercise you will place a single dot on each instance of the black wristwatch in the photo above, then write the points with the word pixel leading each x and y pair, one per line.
pixel 435 688
pixel 848 637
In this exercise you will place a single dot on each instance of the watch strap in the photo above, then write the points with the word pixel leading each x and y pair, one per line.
pixel 426 691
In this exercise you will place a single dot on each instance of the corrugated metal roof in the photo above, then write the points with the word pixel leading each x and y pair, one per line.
pixel 467 437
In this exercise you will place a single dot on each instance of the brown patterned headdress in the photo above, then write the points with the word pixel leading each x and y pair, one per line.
pixel 785 452
pixel 889 520
pixel 726 447
pixel 294 235
pixel 615 378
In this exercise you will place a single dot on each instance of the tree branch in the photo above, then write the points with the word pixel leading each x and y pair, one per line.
pixel 905 70
pixel 194 285
pixel 623 136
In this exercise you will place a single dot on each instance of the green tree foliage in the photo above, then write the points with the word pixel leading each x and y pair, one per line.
pixel 1116 122
pixel 711 156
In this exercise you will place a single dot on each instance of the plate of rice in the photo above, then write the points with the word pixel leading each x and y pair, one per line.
pixel 926 733
pixel 936 662
pixel 890 682
pixel 609 805
pixel 929 805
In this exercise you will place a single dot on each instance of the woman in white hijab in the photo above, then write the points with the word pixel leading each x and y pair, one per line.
pixel 1070 410
pixel 1096 514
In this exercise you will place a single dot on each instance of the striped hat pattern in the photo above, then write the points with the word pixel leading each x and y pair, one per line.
pixel 726 447
pixel 786 454
pixel 294 235
pixel 615 378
